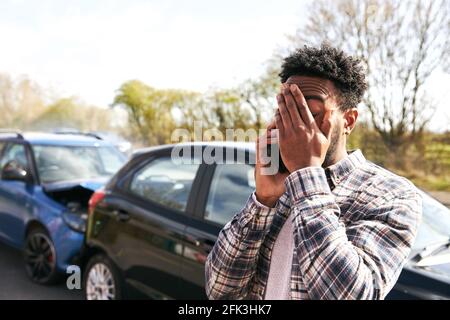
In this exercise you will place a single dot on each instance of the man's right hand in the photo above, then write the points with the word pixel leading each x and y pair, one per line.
pixel 269 188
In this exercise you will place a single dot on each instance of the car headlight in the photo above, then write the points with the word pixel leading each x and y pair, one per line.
pixel 75 221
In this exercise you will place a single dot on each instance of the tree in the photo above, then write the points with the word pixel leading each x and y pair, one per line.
pixel 151 111
pixel 133 96
pixel 154 114
pixel 259 94
pixel 401 43
pixel 21 101
pixel 225 110
pixel 70 112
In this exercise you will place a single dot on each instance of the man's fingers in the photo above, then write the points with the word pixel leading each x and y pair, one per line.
pixel 267 138
pixel 279 123
pixel 272 125
pixel 283 113
pixel 271 128
pixel 291 106
pixel 261 141
pixel 262 144
pixel 307 117
pixel 327 124
pixel 272 134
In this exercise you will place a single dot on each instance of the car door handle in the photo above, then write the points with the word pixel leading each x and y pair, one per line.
pixel 121 215
pixel 205 244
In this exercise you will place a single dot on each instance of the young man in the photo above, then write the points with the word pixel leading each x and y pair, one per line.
pixel 335 226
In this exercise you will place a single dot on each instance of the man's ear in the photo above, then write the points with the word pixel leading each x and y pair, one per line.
pixel 350 117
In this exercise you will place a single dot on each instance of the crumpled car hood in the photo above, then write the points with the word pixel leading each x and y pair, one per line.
pixel 74 194
pixel 92 185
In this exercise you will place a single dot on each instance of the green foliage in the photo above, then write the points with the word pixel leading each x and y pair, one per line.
pixel 70 112
pixel 61 113
pixel 153 114
pixel 426 161
pixel 150 111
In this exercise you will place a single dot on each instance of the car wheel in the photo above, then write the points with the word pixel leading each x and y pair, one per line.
pixel 40 257
pixel 102 280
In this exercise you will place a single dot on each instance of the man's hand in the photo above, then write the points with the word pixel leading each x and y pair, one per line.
pixel 302 143
pixel 269 188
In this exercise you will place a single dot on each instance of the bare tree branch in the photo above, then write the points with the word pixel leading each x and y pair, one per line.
pixel 401 43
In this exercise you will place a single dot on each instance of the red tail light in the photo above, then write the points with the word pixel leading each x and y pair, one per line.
pixel 98 196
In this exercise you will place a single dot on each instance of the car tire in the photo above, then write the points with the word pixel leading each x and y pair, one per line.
pixel 39 256
pixel 102 279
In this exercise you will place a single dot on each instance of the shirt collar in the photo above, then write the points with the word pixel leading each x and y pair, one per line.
pixel 335 174
pixel 341 169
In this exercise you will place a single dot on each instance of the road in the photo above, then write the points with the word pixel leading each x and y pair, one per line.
pixel 15 285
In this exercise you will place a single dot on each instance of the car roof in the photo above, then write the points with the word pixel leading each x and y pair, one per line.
pixel 245 146
pixel 58 139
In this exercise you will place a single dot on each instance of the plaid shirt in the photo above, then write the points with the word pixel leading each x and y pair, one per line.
pixel 354 225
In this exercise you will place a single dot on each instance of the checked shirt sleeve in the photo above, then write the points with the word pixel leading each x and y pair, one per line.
pixel 231 263
pixel 359 260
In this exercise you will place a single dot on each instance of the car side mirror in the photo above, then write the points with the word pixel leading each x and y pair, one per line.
pixel 14 171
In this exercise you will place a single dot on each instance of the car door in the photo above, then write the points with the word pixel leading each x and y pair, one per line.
pixel 226 188
pixel 15 196
pixel 149 222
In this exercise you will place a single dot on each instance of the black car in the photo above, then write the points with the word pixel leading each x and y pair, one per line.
pixel 151 228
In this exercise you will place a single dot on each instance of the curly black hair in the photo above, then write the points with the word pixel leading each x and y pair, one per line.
pixel 346 72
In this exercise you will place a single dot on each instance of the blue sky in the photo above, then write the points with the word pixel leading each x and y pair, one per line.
pixel 89 48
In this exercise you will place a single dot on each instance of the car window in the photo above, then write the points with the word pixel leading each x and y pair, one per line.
pixel 231 186
pixel 111 159
pixel 64 163
pixel 165 182
pixel 14 152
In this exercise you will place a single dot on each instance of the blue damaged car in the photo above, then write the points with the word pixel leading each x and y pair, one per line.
pixel 46 181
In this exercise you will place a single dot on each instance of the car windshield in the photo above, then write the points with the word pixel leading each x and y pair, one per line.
pixel 435 226
pixel 63 163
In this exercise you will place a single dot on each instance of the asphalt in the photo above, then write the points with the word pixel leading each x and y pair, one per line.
pixel 15 285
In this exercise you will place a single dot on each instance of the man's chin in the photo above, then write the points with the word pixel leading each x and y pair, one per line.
pixel 328 159
pixel 325 164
